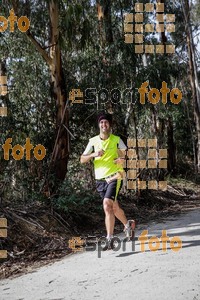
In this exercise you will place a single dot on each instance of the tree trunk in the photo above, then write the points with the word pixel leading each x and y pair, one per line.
pixel 106 40
pixel 162 34
pixel 171 146
pixel 3 163
pixel 193 79
pixel 100 16
pixel 108 22
pixel 61 153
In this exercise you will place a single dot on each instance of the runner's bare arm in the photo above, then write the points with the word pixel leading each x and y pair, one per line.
pixel 85 158
pixel 88 157
pixel 89 153
pixel 121 153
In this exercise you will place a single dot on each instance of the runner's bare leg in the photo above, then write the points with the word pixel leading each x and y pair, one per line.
pixel 119 213
pixel 109 215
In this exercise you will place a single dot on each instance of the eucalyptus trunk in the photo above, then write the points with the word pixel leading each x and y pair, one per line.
pixel 61 150
pixel 60 155
pixel 193 80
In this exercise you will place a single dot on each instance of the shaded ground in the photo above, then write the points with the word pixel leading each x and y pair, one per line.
pixel 39 235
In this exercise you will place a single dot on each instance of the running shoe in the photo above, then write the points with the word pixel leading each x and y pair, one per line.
pixel 129 230
pixel 108 244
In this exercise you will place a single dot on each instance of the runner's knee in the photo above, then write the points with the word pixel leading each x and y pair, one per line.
pixel 108 208
pixel 108 205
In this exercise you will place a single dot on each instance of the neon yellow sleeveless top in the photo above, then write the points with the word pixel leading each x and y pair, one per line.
pixel 104 166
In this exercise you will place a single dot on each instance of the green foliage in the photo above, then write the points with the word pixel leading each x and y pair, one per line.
pixel 73 197
pixel 88 60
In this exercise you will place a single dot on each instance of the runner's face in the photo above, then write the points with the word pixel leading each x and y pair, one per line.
pixel 104 126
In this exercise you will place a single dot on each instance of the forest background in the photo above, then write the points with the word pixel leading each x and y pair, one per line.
pixel 80 45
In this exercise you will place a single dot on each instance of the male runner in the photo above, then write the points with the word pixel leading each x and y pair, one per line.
pixel 103 149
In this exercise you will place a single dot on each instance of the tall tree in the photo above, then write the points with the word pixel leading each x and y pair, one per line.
pixel 52 56
pixel 193 77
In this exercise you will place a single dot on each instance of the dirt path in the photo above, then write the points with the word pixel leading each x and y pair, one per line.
pixel 121 274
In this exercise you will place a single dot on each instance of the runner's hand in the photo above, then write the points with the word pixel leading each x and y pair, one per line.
pixel 108 180
pixel 119 175
pixel 99 153
pixel 119 161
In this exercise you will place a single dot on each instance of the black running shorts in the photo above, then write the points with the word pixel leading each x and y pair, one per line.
pixel 109 190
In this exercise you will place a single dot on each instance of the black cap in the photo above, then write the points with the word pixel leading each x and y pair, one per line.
pixel 105 116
